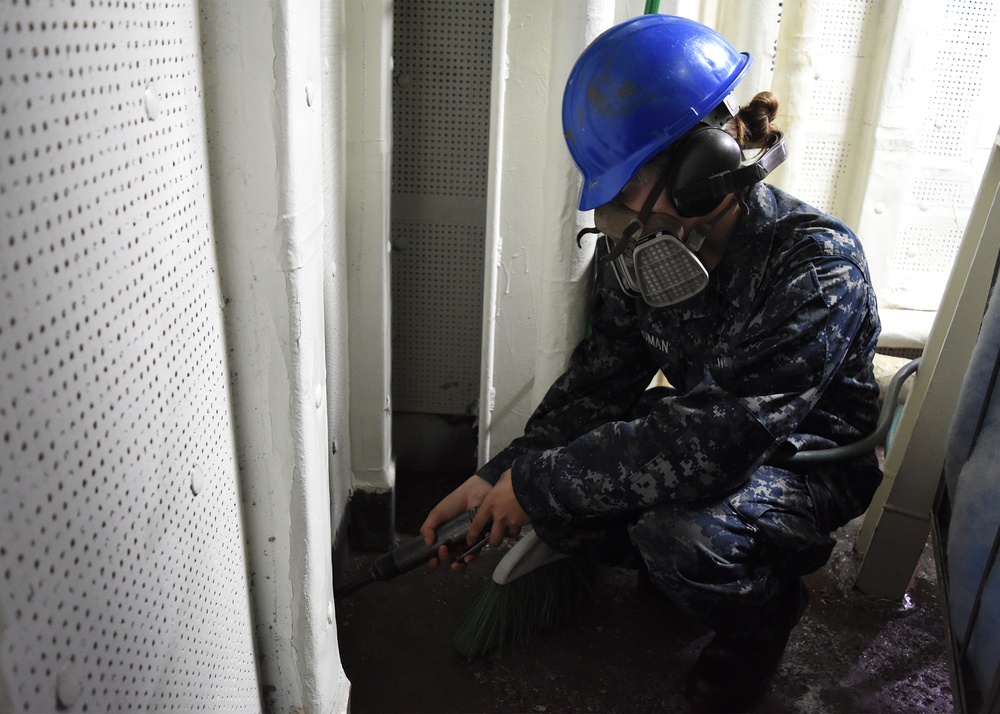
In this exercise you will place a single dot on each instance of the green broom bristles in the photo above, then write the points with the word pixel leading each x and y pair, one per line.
pixel 505 616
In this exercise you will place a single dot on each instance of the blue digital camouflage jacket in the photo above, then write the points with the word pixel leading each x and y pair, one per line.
pixel 778 348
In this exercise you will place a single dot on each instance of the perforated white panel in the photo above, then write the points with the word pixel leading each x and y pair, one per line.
pixel 827 161
pixel 441 101
pixel 123 577
pixel 848 27
pixel 832 99
pixel 951 161
pixel 952 154
pixel 958 76
pixel 890 121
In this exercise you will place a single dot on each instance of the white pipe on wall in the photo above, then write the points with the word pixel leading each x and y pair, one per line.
pixel 566 269
pixel 530 248
pixel 263 78
pixel 493 242
pixel 298 86
pixel 369 147
pixel 334 153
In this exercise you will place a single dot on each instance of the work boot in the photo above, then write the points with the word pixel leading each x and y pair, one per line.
pixel 733 671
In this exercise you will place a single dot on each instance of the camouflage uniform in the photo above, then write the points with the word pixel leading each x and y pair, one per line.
pixel 776 352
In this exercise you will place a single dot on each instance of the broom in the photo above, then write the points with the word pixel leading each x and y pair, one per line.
pixel 533 589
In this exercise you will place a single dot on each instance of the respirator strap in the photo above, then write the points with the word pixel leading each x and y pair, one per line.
pixel 582 233
pixel 634 229
pixel 718 185
pixel 697 237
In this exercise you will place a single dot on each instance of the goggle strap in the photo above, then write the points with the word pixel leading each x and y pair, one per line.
pixel 635 227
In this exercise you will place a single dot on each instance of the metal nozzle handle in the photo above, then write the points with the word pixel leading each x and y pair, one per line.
pixel 412 554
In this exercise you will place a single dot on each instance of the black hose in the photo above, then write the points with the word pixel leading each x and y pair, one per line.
pixel 862 446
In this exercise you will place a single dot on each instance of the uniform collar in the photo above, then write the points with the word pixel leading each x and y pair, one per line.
pixel 739 275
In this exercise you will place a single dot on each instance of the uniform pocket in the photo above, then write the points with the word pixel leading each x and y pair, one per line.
pixel 778 506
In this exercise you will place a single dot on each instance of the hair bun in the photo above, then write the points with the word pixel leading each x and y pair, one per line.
pixel 751 127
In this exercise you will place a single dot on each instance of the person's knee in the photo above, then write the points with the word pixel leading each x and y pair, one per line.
pixel 685 549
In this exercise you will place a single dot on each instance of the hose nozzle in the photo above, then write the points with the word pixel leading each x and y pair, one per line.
pixel 411 554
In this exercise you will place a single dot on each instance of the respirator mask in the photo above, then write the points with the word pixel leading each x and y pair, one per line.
pixel 650 254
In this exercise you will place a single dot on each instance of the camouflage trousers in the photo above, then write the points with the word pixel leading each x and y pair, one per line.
pixel 723 560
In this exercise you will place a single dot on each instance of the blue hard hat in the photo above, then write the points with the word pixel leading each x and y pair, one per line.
pixel 637 88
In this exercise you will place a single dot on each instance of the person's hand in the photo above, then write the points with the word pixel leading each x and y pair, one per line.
pixel 464 498
pixel 502 507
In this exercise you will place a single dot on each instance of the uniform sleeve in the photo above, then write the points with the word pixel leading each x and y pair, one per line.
pixel 607 373
pixel 709 440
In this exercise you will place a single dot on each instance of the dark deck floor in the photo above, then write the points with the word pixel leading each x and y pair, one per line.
pixel 850 653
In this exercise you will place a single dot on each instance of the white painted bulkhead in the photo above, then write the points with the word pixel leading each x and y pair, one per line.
pixel 272 332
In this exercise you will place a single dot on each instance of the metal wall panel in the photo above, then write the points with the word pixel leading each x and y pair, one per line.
pixel 124 579
pixel 441 102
